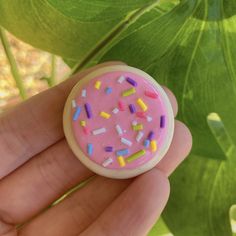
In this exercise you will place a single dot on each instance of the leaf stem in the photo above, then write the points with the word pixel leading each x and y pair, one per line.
pixel 130 19
pixel 52 77
pixel 12 63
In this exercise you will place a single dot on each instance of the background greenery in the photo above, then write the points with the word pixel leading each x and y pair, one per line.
pixel 189 46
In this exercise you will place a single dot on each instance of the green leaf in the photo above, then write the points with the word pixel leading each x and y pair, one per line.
pixel 191 49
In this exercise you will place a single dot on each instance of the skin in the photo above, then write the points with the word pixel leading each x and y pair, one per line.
pixel 37 167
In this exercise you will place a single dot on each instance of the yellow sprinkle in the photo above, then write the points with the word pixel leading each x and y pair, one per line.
pixel 105 115
pixel 83 123
pixel 137 127
pixel 128 92
pixel 142 104
pixel 97 84
pixel 153 145
pixel 121 161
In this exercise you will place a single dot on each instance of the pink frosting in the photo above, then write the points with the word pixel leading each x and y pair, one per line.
pixel 100 101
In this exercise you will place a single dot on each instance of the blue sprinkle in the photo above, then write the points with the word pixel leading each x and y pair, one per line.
pixel 108 90
pixel 76 114
pixel 146 143
pixel 90 149
pixel 122 152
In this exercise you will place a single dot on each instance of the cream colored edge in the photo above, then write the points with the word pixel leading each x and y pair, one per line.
pixel 118 174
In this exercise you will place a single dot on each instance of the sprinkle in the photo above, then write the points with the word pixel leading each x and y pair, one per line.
pixel 142 104
pixel 149 118
pixel 128 92
pixel 126 142
pixel 76 114
pixel 108 149
pixel 84 93
pixel 121 161
pixel 115 110
pixel 153 145
pixel 121 79
pixel 97 85
pixel 141 114
pixel 131 81
pixel 132 108
pixel 134 122
pixel 119 130
pixel 90 149
pixel 122 152
pixel 151 94
pixel 83 123
pixel 146 143
pixel 162 122
pixel 108 90
pixel 105 115
pixel 88 110
pixel 150 135
pixel 135 155
pixel 121 106
pixel 137 127
pixel 73 103
pixel 139 136
pixel 99 131
pixel 86 130
pixel 107 162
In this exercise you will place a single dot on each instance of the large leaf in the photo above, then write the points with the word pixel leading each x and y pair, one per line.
pixel 191 50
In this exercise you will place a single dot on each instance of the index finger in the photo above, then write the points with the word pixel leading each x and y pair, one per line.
pixel 35 124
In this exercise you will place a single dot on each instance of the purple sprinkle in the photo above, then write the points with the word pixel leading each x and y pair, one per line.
pixel 109 149
pixel 88 110
pixel 131 81
pixel 132 108
pixel 162 122
pixel 151 136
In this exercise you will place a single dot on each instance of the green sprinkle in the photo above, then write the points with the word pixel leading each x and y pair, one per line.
pixel 135 155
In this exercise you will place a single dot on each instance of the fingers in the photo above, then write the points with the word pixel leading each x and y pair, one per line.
pixel 56 170
pixel 179 149
pixel 39 182
pixel 172 99
pixel 136 210
pixel 78 211
pixel 35 124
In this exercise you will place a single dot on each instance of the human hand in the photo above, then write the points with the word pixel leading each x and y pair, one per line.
pixel 37 167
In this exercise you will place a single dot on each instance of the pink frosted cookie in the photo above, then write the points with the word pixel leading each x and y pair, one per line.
pixel 118 121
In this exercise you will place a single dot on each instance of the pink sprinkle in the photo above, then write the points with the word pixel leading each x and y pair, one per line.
pixel 86 130
pixel 121 106
pixel 151 94
pixel 141 114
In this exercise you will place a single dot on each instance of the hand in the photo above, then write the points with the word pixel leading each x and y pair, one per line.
pixel 37 167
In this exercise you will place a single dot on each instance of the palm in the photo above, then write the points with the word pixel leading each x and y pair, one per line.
pixel 37 167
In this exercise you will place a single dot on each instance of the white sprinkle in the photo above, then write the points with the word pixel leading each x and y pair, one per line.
pixel 119 130
pixel 139 136
pixel 121 79
pixel 134 122
pixel 126 142
pixel 84 93
pixel 73 103
pixel 107 162
pixel 149 118
pixel 115 110
pixel 99 131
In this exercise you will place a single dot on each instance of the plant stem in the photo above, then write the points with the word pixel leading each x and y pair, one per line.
pixel 52 78
pixel 108 39
pixel 12 63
